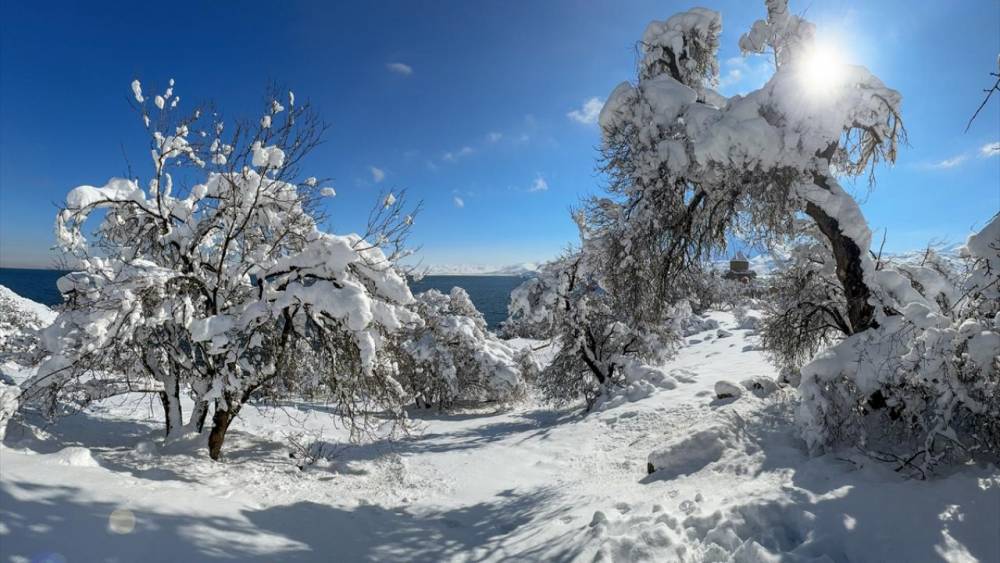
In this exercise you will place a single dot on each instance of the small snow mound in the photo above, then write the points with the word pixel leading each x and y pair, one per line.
pixel 748 322
pixel 723 333
pixel 790 377
pixel 689 454
pixel 760 385
pixel 696 324
pixel 641 381
pixel 726 390
pixel 145 449
pixel 75 456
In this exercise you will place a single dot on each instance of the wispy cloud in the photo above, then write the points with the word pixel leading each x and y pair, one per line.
pixel 740 75
pixel 988 150
pixel 402 69
pixel 493 136
pixel 377 174
pixel 539 185
pixel 453 156
pixel 950 162
pixel 459 202
pixel 588 112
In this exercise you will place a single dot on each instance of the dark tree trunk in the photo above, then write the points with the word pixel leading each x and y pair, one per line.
pixel 860 313
pixel 220 424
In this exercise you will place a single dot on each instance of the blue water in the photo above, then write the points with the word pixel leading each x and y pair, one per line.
pixel 489 293
pixel 37 285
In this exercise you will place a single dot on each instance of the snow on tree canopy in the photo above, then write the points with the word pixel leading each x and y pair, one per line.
pixel 206 289
pixel 680 154
pixel 451 355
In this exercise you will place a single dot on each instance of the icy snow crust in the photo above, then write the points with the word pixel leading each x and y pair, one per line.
pixel 730 482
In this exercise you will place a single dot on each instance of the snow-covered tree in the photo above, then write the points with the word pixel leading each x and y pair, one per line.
pixel 566 302
pixel 452 357
pixel 207 277
pixel 689 168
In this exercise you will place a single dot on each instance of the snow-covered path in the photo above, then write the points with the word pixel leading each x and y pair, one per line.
pixel 528 485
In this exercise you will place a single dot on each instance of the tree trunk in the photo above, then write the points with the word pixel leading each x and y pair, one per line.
pixel 171 399
pixel 220 424
pixel 197 421
pixel 850 271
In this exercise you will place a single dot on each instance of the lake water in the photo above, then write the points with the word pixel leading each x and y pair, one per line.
pixel 489 293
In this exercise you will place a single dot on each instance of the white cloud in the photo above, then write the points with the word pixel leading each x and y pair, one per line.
pixel 452 156
pixel 377 174
pixel 493 136
pixel 459 202
pixel 986 151
pixel 400 68
pixel 740 75
pixel 539 185
pixel 950 162
pixel 588 112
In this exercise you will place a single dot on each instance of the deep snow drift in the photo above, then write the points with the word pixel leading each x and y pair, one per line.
pixel 731 482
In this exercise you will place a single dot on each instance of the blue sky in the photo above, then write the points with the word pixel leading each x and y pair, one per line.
pixel 474 120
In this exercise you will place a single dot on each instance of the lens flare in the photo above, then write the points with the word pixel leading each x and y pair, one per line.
pixel 821 70
pixel 121 521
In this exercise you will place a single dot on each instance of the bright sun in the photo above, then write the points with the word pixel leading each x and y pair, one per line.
pixel 821 70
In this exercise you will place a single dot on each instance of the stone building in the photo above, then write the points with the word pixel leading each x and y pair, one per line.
pixel 739 269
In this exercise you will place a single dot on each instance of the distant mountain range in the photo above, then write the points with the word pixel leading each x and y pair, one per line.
pixel 763 264
pixel 767 263
pixel 523 269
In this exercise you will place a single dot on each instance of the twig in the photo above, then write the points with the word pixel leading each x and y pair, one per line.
pixel 989 92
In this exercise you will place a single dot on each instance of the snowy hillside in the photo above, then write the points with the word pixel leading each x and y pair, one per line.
pixel 732 483
pixel 12 301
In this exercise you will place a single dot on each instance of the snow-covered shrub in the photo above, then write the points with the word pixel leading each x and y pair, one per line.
pixel 924 386
pixel 307 450
pixel 530 365
pixel 20 327
pixel 451 356
pixel 596 337
pixel 532 310
pixel 212 286
pixel 805 310
pixel 639 381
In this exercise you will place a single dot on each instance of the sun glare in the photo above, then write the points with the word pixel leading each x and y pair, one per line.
pixel 821 70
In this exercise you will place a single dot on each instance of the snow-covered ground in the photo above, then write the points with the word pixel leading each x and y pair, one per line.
pixel 530 484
